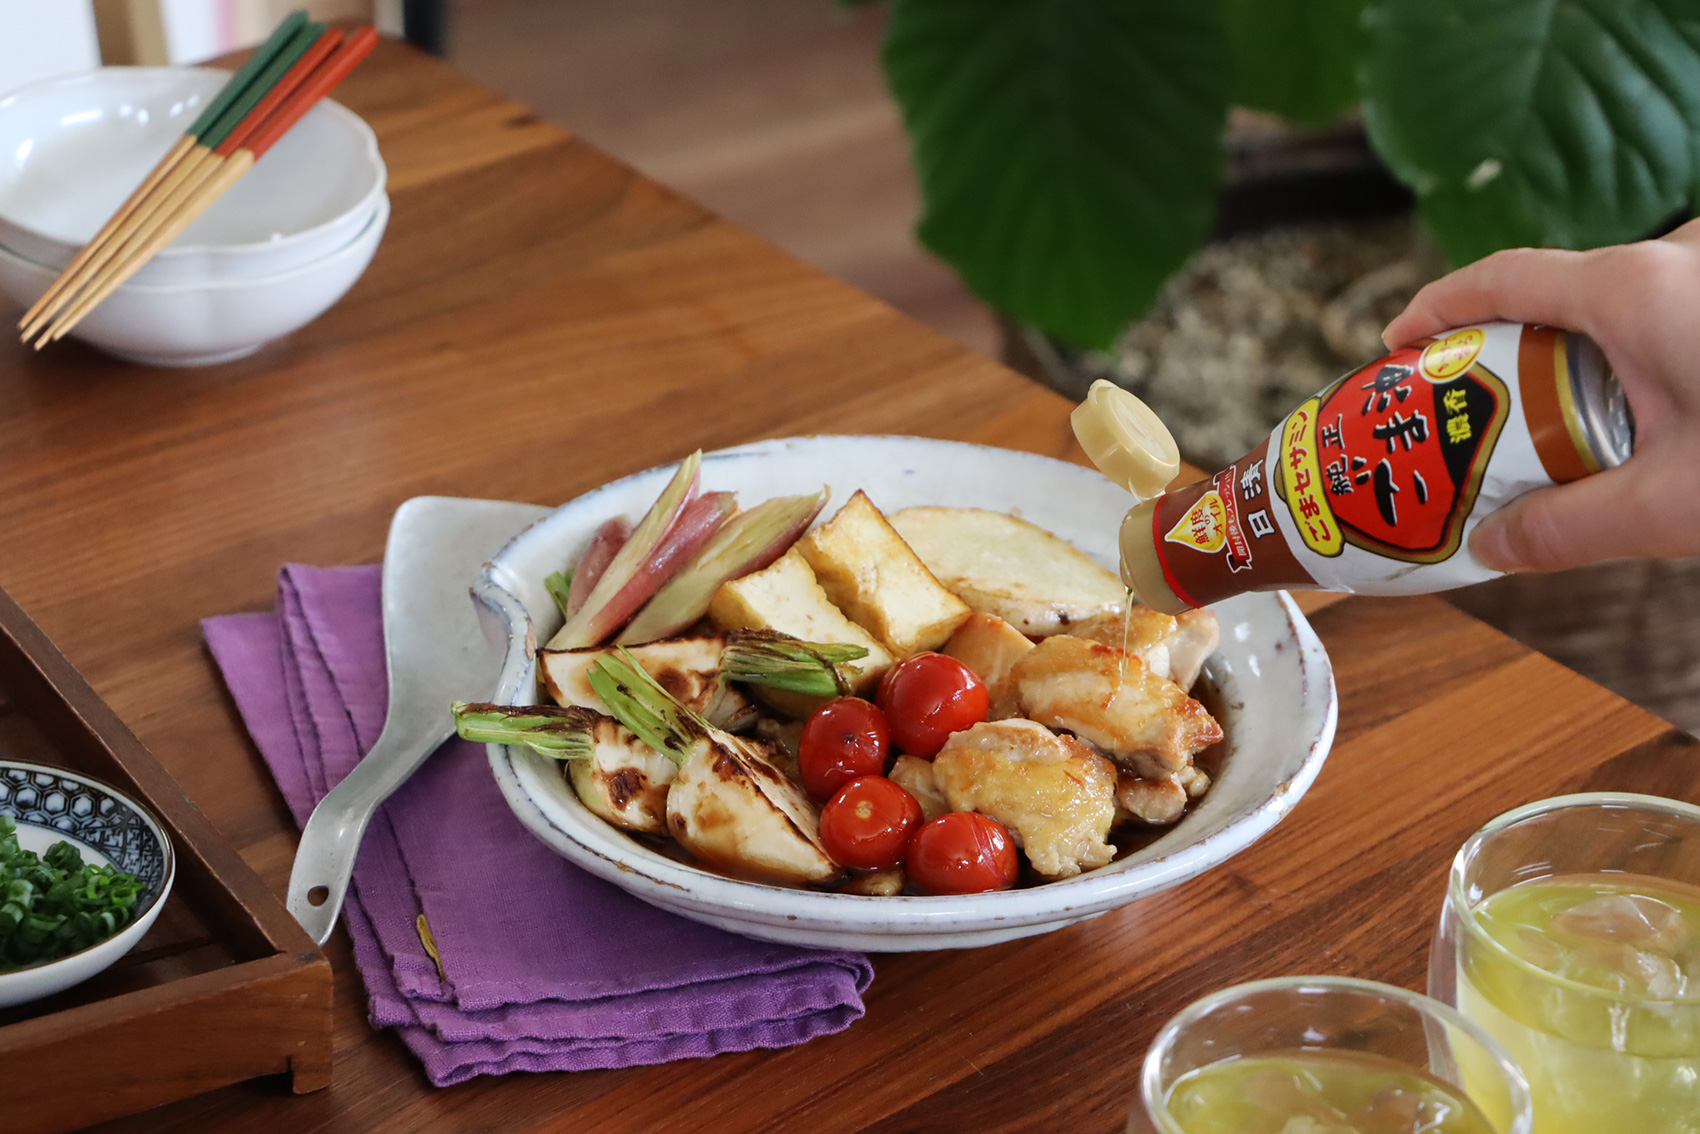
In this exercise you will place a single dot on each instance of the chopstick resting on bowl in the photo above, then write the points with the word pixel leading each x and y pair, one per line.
pixel 172 165
pixel 312 61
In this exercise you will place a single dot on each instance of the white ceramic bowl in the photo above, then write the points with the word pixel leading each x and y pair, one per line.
pixel 1271 670
pixel 73 148
pixel 109 829
pixel 202 324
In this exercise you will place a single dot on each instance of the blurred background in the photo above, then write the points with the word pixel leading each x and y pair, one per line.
pixel 778 115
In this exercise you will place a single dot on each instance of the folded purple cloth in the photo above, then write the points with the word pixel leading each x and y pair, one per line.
pixel 544 967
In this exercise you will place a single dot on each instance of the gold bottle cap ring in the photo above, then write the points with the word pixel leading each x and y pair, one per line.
pixel 1126 440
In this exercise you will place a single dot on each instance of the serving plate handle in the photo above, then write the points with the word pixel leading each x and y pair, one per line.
pixel 437 653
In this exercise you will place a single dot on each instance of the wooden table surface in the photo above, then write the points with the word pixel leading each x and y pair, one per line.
pixel 541 319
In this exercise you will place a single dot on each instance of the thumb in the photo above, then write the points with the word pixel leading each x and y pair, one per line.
pixel 1566 525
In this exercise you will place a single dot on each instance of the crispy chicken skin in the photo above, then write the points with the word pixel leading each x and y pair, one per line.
pixel 1141 631
pixel 1108 698
pixel 1056 796
pixel 1156 803
pixel 1196 638
pixel 1173 647
pixel 915 776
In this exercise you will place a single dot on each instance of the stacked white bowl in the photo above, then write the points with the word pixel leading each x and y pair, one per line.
pixel 283 245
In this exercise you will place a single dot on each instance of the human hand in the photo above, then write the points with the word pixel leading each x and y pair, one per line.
pixel 1641 304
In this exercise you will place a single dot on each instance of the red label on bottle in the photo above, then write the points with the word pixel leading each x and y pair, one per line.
pixel 1393 455
pixel 1217 538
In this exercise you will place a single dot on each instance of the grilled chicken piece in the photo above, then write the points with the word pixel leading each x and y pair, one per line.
pixel 1108 698
pixel 688 668
pixel 733 808
pixel 990 647
pixel 915 776
pixel 1140 631
pixel 876 883
pixel 1196 637
pixel 1056 796
pixel 1194 780
pixel 625 781
pixel 1156 803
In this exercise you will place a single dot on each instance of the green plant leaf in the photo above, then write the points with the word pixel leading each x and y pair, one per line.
pixel 1069 151
pixel 1566 123
pixel 1297 58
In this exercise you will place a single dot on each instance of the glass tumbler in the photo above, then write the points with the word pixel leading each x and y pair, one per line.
pixel 1355 1036
pixel 1599 1060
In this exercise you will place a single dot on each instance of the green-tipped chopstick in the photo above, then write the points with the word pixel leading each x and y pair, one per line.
pixel 185 148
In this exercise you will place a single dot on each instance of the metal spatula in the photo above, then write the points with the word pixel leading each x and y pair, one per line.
pixel 436 653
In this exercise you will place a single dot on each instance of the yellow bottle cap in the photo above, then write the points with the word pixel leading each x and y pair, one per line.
pixel 1126 440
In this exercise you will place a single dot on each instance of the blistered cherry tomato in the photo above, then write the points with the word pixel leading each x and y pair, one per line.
pixel 962 852
pixel 841 740
pixel 926 698
pixel 868 823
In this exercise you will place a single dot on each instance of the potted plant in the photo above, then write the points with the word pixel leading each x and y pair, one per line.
pixel 1071 152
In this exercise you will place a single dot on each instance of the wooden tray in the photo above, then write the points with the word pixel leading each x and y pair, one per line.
pixel 224 987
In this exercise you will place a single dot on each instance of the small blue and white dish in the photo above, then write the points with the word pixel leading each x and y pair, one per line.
pixel 108 828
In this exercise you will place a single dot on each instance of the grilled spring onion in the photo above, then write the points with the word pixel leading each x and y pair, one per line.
pixel 779 661
pixel 562 734
pixel 639 702
pixel 559 585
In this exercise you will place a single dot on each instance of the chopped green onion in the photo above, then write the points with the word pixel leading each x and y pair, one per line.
pixel 779 661
pixel 562 734
pixel 55 905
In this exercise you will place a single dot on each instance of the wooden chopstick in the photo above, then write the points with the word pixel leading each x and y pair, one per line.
pixel 184 146
pixel 283 114
pixel 180 186
pixel 288 68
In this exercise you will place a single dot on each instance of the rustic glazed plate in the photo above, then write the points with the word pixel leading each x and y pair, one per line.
pixel 1276 685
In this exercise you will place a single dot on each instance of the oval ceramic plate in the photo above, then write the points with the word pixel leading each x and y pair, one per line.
pixel 109 829
pixel 1275 681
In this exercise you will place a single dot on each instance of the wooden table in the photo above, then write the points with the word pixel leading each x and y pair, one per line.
pixel 541 319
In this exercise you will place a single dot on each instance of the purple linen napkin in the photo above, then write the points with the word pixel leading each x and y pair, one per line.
pixel 545 967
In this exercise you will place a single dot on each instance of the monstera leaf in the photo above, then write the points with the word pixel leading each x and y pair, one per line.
pixel 1297 58
pixel 1069 150
pixel 1568 123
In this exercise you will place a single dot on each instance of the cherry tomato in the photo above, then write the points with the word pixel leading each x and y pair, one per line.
pixel 929 696
pixel 841 740
pixel 868 823
pixel 962 852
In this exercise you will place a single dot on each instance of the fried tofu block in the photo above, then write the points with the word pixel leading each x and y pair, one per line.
pixel 990 647
pixel 873 576
pixel 1003 565
pixel 784 596
pixel 1108 698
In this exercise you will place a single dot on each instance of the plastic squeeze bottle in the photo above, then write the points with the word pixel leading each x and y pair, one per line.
pixel 1373 485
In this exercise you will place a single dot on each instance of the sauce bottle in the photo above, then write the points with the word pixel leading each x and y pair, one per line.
pixel 1373 485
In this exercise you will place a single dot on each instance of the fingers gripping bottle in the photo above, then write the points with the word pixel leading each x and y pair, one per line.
pixel 1373 485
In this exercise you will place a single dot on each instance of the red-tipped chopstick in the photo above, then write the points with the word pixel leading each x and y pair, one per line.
pixel 236 154
pixel 173 169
